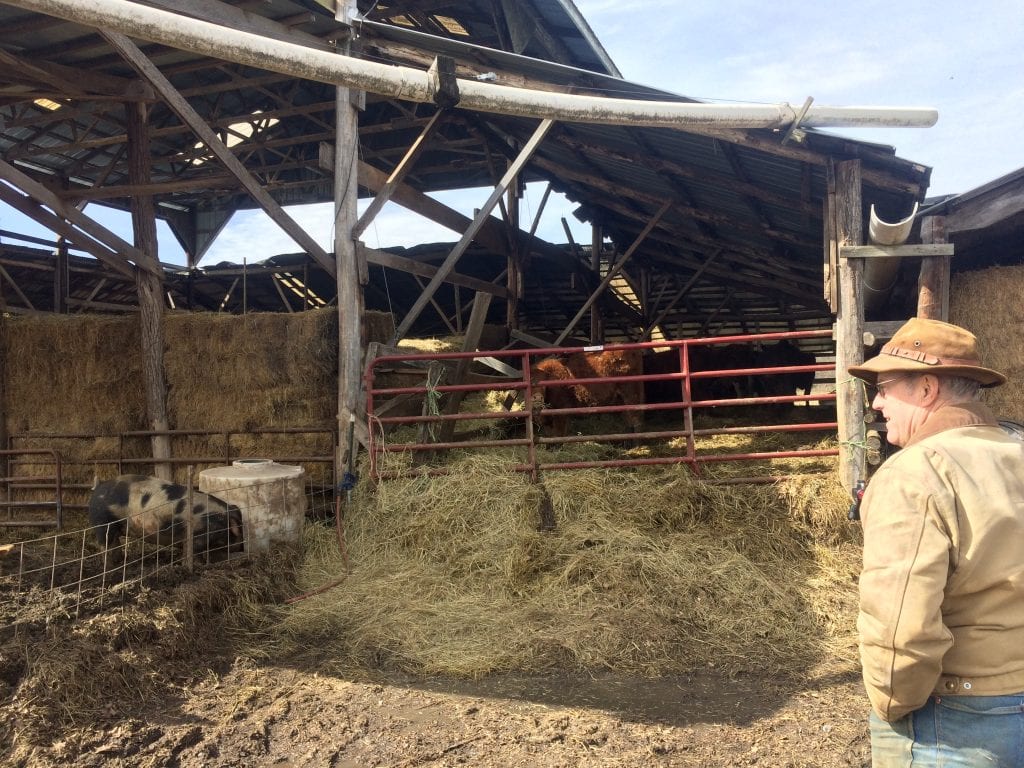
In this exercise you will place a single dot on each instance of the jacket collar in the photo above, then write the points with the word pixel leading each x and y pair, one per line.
pixel 953 417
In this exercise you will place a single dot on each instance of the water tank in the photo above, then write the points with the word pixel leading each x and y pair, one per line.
pixel 272 498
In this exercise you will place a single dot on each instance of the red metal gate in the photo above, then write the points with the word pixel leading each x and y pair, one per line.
pixel 437 417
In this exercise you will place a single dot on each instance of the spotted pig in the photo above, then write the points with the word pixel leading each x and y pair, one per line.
pixel 157 510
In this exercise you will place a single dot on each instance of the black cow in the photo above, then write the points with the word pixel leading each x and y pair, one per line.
pixel 701 358
pixel 784 354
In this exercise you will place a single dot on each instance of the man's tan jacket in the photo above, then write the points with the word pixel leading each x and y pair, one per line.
pixel 942 589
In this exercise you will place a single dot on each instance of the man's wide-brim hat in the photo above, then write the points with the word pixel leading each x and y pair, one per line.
pixel 929 346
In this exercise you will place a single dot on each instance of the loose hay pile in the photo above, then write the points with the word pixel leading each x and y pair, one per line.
pixel 58 673
pixel 648 572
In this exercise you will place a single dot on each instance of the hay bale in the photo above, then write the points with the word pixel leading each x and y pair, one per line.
pixel 377 326
pixel 987 302
pixel 68 374
pixel 241 372
pixel 83 373
pixel 649 572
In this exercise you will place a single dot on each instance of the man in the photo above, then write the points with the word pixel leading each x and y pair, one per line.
pixel 942 589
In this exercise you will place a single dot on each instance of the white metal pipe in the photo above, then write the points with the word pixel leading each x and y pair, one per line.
pixel 204 38
pixel 880 275
pixel 890 233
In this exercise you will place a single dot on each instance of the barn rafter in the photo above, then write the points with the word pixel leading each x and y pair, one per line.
pixel 698 227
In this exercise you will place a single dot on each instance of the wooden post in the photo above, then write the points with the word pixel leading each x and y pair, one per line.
pixel 3 404
pixel 515 257
pixel 471 343
pixel 188 545
pixel 849 228
pixel 350 290
pixel 933 282
pixel 151 289
pixel 596 241
pixel 60 277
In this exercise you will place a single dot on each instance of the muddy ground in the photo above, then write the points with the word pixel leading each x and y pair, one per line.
pixel 248 715
pixel 159 682
pixel 164 675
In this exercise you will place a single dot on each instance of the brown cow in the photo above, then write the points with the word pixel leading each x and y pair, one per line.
pixel 589 365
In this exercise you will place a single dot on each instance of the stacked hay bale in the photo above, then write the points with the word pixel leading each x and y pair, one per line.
pixel 82 375
pixel 988 303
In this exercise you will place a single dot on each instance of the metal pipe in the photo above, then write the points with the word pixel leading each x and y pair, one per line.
pixel 204 38
pixel 879 275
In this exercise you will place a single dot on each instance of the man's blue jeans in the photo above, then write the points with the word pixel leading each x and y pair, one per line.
pixel 953 732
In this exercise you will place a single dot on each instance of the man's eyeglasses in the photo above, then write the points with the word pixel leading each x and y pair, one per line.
pixel 880 386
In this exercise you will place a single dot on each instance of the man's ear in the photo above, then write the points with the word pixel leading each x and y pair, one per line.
pixel 929 387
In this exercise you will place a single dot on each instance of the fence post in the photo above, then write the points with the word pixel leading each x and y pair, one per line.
pixel 187 549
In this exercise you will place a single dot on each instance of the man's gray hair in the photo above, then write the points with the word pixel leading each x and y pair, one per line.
pixel 960 387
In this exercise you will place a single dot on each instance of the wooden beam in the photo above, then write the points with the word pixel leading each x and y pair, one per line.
pixel 396 176
pixel 25 300
pixel 76 81
pixel 190 117
pixel 830 267
pixel 927 250
pixel 91 237
pixel 596 244
pixel 60 278
pixel 471 343
pixel 449 263
pixel 114 191
pixel 614 271
pixel 229 16
pixel 280 292
pixel 849 323
pixel 933 281
pixel 394 261
pixel 468 68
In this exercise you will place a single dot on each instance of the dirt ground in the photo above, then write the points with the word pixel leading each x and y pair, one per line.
pixel 275 716
pixel 167 678
pixel 158 682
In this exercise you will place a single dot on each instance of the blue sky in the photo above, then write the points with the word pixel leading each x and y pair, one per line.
pixel 963 59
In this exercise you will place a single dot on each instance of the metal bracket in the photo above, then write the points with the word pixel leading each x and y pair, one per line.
pixel 794 132
pixel 442 77
pixel 346 11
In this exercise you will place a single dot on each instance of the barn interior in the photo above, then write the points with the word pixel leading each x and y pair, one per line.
pixel 696 231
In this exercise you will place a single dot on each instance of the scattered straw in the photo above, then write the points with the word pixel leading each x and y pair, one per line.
pixel 648 572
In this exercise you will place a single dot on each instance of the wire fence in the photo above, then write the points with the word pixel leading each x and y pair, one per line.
pixel 116 553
